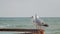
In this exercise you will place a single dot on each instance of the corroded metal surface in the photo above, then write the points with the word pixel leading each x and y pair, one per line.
pixel 32 31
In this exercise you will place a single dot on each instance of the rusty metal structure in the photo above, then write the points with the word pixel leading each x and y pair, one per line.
pixel 30 31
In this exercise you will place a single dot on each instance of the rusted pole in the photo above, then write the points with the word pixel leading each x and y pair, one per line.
pixel 41 31
pixel 30 31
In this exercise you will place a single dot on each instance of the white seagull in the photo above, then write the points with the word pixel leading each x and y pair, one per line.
pixel 38 22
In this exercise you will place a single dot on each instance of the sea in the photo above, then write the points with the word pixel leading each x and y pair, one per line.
pixel 26 23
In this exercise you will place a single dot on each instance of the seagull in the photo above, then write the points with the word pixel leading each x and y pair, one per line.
pixel 38 22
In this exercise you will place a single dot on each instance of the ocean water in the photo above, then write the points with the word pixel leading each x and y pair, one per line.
pixel 26 22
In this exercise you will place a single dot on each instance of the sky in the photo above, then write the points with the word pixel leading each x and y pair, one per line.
pixel 26 8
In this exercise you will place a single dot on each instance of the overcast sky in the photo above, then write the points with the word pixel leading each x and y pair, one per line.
pixel 25 8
